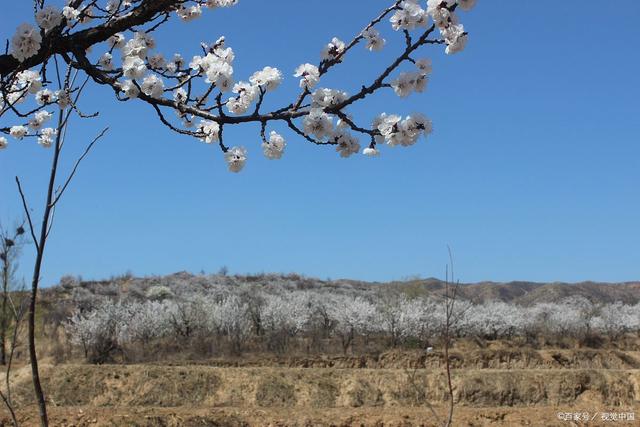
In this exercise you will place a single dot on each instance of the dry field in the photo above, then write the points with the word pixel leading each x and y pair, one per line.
pixel 497 385
pixel 534 378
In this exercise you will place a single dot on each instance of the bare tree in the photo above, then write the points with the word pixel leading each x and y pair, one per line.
pixel 451 316
pixel 11 241
pixel 53 196
pixel 17 312
pixel 451 292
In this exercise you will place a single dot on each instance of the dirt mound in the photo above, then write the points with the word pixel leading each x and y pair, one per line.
pixel 475 358
pixel 285 417
pixel 495 386
pixel 143 385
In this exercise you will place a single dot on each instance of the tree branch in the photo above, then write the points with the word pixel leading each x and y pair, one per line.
pixel 28 214
pixel 75 167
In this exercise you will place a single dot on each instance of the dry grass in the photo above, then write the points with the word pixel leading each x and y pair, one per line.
pixel 512 388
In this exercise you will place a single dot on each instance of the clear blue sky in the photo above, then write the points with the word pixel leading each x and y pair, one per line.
pixel 533 171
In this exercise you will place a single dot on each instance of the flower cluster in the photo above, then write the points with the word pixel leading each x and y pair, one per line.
pixel 310 75
pixel 346 144
pixel 396 131
pixel 318 123
pixel 39 118
pixel 416 81
pixel 203 92
pixel 209 130
pixel 48 18
pixel 46 137
pixel 409 16
pixel 25 42
pixel 236 157
pixel 333 50
pixel 18 132
pixel 375 42
pixel 447 22
pixel 216 65
pixel 274 148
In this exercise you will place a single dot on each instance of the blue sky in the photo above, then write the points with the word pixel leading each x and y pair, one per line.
pixel 532 172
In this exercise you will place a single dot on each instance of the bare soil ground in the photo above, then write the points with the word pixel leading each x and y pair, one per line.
pixel 493 387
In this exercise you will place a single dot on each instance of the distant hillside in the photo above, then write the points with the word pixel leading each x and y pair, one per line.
pixel 517 292
pixel 533 292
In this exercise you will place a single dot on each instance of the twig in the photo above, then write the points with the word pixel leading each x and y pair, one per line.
pixel 27 213
pixel 75 166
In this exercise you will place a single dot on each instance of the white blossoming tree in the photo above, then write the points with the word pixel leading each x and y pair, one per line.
pixel 111 43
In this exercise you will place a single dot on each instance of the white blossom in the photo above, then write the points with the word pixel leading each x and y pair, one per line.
pixel 246 95
pixel 3 142
pixel 396 131
pixel 235 157
pixel 106 61
pixel 130 89
pixel 45 96
pixel 318 123
pixel 48 18
pixel 152 86
pixel 39 118
pixel 64 98
pixel 371 152
pixel 70 14
pixel 342 123
pixel 386 124
pixel 333 49
pixel 18 132
pixel 86 14
pixel 189 13
pixel 46 137
pixel 439 11
pixel 180 96
pixel 25 42
pixel 347 144
pixel 268 78
pixel 139 45
pixel 419 122
pixel 375 42
pixel 117 41
pixel 157 61
pixel 405 84
pixel 238 105
pixel 274 148
pixel 455 37
pixel 210 131
pixel 328 97
pixel 353 316
pixel 310 75
pixel 145 38
pixel 424 65
pixel 221 3
pixel 409 16
pixel 133 67
pixel 420 84
pixel 219 73
pixel 31 80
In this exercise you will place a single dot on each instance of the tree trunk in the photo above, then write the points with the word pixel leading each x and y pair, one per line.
pixel 46 216
pixel 4 320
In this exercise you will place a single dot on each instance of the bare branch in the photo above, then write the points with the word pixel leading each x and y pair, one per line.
pixel 28 214
pixel 75 167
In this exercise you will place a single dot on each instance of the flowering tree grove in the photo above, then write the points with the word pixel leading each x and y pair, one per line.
pixel 48 64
